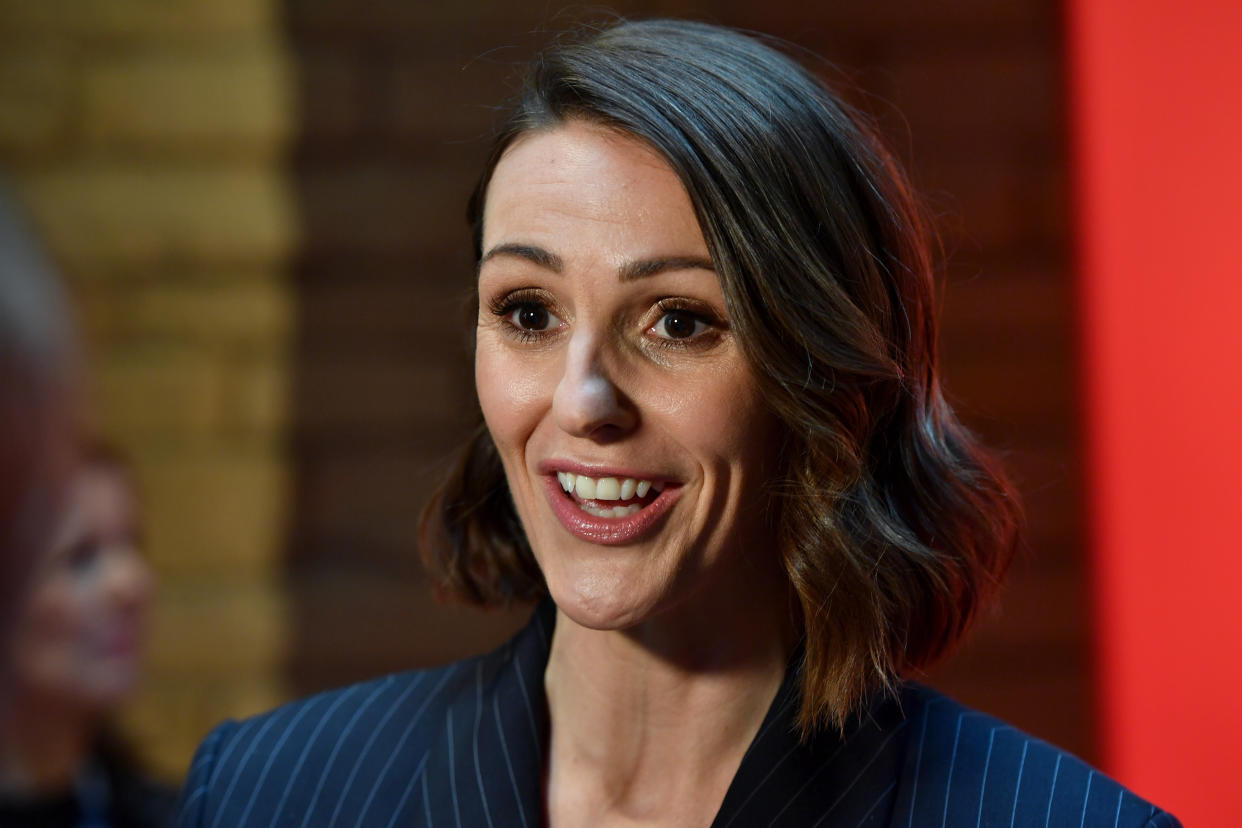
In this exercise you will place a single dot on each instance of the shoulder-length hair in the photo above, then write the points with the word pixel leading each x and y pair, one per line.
pixel 895 526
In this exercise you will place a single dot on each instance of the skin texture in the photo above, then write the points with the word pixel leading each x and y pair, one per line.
pixel 669 647
pixel 79 635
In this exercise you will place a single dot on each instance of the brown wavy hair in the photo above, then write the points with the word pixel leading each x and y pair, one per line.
pixel 895 526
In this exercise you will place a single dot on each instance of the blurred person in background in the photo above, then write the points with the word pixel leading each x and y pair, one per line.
pixel 37 410
pixel 76 659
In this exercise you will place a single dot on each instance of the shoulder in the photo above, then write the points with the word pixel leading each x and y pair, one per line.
pixel 343 750
pixel 964 767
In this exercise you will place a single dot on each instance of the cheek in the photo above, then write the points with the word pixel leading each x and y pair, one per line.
pixel 56 613
pixel 514 393
pixel 720 416
pixel 51 630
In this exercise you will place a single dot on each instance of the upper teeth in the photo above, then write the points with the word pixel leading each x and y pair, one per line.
pixel 604 488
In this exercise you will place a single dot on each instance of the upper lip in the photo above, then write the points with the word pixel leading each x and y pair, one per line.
pixel 597 471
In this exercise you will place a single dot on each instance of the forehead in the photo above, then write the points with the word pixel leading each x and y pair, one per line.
pixel 599 180
pixel 99 497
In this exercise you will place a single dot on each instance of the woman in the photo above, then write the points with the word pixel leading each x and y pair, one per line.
pixel 76 660
pixel 37 407
pixel 715 440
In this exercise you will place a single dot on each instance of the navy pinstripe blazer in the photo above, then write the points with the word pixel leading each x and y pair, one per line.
pixel 462 746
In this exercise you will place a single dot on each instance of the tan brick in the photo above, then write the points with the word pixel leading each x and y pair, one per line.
pixel 215 650
pixel 225 627
pixel 172 714
pixel 254 309
pixel 257 394
pixel 223 99
pixel 36 98
pixel 103 217
pixel 158 389
pixel 138 18
pixel 214 509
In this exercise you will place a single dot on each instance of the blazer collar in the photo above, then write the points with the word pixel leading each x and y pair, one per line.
pixel 487 764
pixel 834 777
pixel 496 732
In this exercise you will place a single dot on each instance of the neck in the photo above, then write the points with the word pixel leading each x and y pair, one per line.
pixel 651 723
pixel 43 745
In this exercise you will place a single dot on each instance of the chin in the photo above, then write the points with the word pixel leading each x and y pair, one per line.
pixel 110 689
pixel 602 602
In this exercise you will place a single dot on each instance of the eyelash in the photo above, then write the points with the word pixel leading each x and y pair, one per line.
pixel 696 311
pixel 505 306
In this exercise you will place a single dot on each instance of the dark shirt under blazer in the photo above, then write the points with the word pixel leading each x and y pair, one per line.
pixel 463 746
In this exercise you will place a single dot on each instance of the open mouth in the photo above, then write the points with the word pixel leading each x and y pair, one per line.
pixel 609 497
pixel 609 510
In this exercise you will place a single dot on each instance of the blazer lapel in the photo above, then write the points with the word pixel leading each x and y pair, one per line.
pixel 831 779
pixel 488 767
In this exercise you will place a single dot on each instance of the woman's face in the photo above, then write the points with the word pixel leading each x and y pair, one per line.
pixel 629 423
pixel 79 637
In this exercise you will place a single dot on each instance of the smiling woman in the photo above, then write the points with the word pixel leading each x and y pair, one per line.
pixel 715 449
pixel 605 362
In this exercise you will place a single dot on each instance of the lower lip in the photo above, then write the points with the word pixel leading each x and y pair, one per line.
pixel 615 531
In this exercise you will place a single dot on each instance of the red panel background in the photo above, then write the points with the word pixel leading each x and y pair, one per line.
pixel 1156 89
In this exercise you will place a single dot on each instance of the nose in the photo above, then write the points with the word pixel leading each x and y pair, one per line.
pixel 587 402
pixel 129 583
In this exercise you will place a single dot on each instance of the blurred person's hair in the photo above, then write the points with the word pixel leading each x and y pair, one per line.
pixel 37 367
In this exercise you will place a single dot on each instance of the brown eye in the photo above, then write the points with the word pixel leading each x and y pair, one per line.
pixel 83 556
pixel 532 318
pixel 679 324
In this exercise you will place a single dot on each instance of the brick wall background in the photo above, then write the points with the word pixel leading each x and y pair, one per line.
pixel 259 207
pixel 148 140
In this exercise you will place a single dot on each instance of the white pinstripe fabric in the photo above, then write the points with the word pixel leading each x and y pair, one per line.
pixel 336 749
pixel 983 789
pixel 434 756
pixel 398 749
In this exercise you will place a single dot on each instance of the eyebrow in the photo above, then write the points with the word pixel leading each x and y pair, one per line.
pixel 530 252
pixel 650 267
pixel 628 272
